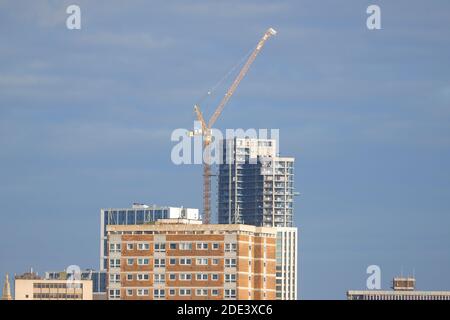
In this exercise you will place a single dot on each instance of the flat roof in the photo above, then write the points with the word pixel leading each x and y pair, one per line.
pixel 161 226
pixel 55 280
pixel 396 292
pixel 148 207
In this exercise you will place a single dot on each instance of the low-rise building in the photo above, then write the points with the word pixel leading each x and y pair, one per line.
pixel 98 279
pixel 404 288
pixel 30 286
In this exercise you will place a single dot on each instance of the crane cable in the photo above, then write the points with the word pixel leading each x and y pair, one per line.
pixel 226 76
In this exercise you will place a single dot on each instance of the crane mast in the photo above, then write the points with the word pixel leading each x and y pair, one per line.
pixel 206 127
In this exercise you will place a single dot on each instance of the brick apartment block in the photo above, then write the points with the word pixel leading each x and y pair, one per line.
pixel 184 259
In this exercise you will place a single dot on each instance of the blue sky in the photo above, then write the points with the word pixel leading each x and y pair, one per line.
pixel 86 118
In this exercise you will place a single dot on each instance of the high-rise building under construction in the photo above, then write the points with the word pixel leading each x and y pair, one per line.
pixel 256 186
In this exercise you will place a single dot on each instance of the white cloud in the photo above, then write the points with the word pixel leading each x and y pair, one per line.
pixel 95 138
pixel 79 139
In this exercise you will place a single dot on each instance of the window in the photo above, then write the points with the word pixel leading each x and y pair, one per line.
pixel 143 276
pixel 130 246
pixel 185 261
pixel 159 278
pixel 173 246
pixel 230 247
pixel 230 277
pixel 202 246
pixel 114 278
pixel 201 292
pixel 230 263
pixel 159 293
pixel 172 276
pixel 202 262
pixel 143 246
pixel 130 262
pixel 215 246
pixel 214 276
pixel 142 292
pixel 129 277
pixel 202 276
pixel 114 247
pixel 214 292
pixel 160 263
pixel 171 292
pixel 172 261
pixel 185 246
pixel 185 292
pixel 129 292
pixel 160 247
pixel 185 277
pixel 215 262
pixel 114 294
pixel 143 261
pixel 114 263
pixel 230 293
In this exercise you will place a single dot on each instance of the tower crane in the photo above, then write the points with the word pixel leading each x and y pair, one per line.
pixel 206 127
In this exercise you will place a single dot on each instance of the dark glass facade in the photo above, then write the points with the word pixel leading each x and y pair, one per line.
pixel 255 189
